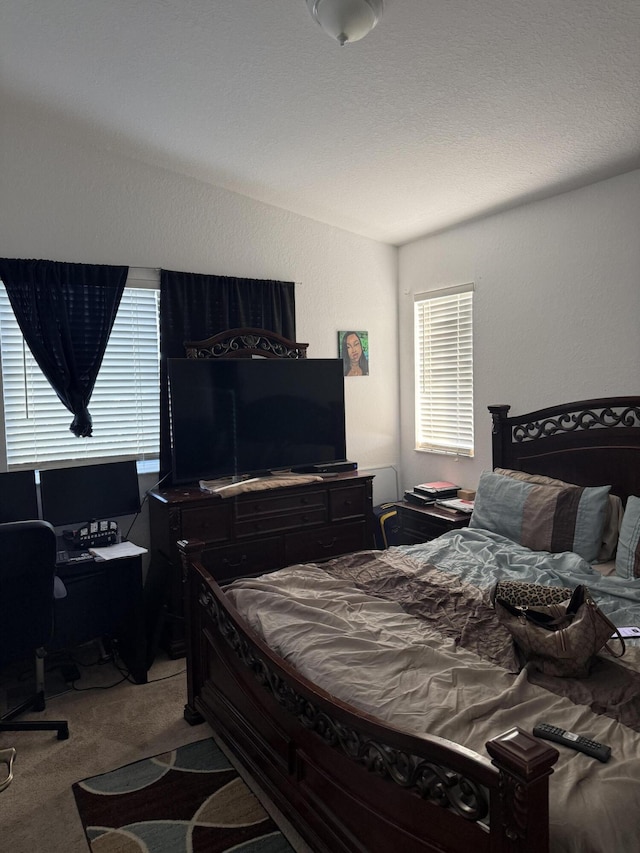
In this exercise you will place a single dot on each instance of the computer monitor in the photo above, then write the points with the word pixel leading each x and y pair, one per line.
pixel 76 495
pixel 18 496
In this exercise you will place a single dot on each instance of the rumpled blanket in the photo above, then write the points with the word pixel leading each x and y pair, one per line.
pixel 408 635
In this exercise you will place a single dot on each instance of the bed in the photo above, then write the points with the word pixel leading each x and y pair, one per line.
pixel 402 721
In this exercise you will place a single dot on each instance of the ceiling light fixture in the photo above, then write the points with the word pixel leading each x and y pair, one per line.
pixel 346 20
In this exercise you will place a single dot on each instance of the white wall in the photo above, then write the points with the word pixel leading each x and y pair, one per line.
pixel 557 281
pixel 66 195
pixel 556 310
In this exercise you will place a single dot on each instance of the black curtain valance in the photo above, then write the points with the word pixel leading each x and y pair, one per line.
pixel 195 306
pixel 66 313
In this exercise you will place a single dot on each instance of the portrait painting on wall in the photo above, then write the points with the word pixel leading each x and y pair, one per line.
pixel 353 349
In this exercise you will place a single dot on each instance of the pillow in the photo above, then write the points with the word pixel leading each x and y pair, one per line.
pixel 628 556
pixel 540 516
pixel 612 519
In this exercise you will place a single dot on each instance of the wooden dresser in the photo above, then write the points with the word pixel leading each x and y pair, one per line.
pixel 252 533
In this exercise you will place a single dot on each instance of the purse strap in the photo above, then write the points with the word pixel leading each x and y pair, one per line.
pixel 615 632
pixel 618 636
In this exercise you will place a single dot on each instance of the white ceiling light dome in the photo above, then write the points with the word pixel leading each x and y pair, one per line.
pixel 346 20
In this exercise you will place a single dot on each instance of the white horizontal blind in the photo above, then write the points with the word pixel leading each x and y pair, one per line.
pixel 444 370
pixel 124 405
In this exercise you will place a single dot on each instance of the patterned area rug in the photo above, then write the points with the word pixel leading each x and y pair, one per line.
pixel 189 800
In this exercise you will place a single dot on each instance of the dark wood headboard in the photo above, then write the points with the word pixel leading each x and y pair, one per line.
pixel 590 442
pixel 245 343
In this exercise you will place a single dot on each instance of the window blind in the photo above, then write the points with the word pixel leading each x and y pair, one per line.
pixel 125 400
pixel 444 370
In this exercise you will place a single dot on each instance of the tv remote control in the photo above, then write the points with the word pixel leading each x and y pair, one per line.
pixel 582 744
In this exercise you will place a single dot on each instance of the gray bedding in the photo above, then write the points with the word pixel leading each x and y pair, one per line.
pixel 409 636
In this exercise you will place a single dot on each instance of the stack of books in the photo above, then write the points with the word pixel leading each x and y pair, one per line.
pixel 456 504
pixel 438 490
pixel 418 499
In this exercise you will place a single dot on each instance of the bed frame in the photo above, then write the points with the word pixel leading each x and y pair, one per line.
pixel 347 781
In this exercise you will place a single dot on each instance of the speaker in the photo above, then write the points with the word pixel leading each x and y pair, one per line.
pixel 327 468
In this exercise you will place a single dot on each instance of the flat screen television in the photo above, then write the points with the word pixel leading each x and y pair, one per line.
pixel 237 417
pixel 89 492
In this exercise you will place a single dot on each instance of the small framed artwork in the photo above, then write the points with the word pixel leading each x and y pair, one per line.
pixel 353 349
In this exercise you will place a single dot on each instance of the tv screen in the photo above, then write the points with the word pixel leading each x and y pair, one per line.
pixel 18 496
pixel 236 417
pixel 89 492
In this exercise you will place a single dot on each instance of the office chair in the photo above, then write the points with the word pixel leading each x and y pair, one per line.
pixel 6 757
pixel 27 571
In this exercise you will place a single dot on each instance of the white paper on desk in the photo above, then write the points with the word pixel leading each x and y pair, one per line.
pixel 117 552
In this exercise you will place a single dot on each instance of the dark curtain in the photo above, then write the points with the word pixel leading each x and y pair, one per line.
pixel 66 313
pixel 194 307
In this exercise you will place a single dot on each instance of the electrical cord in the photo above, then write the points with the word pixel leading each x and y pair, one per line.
pixel 144 500
pixel 60 660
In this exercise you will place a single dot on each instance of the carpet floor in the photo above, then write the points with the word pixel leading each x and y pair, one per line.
pixel 189 800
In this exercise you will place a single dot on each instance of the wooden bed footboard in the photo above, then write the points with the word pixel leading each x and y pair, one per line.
pixel 348 782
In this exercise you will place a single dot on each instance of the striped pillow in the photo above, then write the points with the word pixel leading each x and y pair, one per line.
pixel 542 517
pixel 628 554
pixel 612 518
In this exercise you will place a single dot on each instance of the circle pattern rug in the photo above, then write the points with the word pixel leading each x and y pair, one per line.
pixel 189 800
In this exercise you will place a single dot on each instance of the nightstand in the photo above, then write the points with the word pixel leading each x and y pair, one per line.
pixel 422 523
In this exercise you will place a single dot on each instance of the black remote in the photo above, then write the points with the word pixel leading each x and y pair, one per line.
pixel 582 744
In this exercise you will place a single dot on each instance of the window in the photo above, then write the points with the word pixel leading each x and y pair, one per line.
pixel 125 400
pixel 444 370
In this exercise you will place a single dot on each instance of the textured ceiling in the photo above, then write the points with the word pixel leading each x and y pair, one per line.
pixel 448 110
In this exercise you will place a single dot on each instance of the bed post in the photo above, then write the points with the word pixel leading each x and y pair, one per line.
pixel 525 764
pixel 191 551
pixel 499 413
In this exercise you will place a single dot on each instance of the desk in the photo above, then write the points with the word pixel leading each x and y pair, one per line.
pixel 104 599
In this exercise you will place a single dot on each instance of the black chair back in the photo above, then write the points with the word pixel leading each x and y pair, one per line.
pixel 27 571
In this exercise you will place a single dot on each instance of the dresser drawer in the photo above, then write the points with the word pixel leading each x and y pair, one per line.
pixel 275 523
pixel 324 542
pixel 349 502
pixel 209 523
pixel 252 533
pixel 273 502
pixel 247 558
pixel 421 525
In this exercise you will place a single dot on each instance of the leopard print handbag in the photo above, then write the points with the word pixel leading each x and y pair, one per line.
pixel 561 638
pixel 522 594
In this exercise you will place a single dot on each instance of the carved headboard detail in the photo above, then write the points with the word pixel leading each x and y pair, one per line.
pixel 245 343
pixel 590 442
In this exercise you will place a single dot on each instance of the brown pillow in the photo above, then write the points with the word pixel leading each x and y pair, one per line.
pixel 613 515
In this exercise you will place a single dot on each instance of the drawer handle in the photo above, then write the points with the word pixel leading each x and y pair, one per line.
pixel 241 562
pixel 328 545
